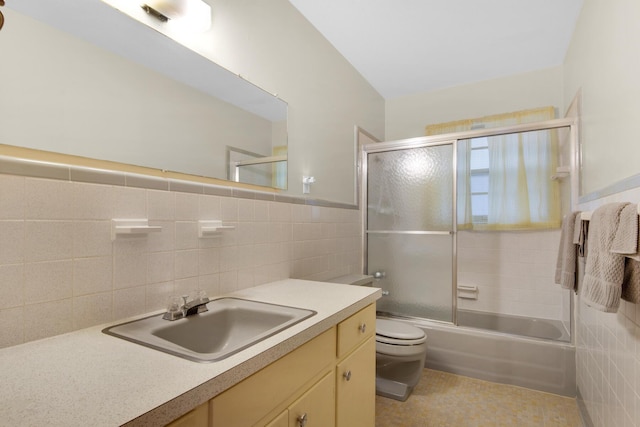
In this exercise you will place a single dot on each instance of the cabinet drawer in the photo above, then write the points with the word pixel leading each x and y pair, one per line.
pixel 281 420
pixel 198 417
pixel 252 399
pixel 356 329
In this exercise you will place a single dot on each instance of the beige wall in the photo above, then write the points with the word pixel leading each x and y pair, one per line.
pixel 274 46
pixel 63 94
pixel 271 45
pixel 407 116
pixel 61 271
pixel 603 61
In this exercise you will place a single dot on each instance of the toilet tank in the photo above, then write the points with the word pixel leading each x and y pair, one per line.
pixel 353 279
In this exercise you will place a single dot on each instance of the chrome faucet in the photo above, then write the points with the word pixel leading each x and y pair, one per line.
pixel 188 308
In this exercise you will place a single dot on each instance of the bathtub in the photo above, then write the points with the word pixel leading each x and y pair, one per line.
pixel 535 363
pixel 517 325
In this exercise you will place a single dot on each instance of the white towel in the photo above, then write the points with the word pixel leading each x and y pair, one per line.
pixel 566 264
pixel 625 240
pixel 604 271
pixel 631 284
pixel 580 234
pixel 626 243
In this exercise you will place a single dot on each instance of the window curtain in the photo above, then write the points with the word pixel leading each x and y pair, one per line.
pixel 521 193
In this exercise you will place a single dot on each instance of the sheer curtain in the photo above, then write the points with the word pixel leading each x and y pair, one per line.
pixel 521 194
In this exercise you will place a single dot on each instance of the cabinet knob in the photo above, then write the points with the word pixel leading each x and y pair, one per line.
pixel 363 328
pixel 302 420
pixel 347 375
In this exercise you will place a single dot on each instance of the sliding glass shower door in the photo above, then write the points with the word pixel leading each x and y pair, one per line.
pixel 410 228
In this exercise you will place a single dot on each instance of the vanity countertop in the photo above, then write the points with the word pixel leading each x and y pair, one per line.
pixel 89 378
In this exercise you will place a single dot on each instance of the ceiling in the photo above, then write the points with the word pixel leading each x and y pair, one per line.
pixel 405 47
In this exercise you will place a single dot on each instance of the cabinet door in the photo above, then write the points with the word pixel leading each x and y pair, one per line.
pixel 281 420
pixel 316 408
pixel 199 417
pixel 356 387
pixel 255 397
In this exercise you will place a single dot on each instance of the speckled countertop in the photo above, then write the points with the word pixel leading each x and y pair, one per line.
pixel 89 378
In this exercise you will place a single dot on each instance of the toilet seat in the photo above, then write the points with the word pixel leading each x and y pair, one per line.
pixel 400 350
pixel 398 333
pixel 400 340
pixel 395 341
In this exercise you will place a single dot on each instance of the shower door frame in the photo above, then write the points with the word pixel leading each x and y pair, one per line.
pixel 575 161
pixel 383 147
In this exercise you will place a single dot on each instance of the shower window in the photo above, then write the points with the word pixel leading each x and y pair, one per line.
pixel 505 183
pixel 503 180
pixel 479 180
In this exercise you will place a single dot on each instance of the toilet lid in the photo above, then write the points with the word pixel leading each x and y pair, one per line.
pixel 398 330
pixel 405 343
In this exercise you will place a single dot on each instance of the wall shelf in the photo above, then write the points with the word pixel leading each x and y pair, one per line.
pixel 132 226
pixel 212 228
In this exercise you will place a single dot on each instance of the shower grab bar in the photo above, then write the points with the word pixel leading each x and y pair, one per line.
pixel 408 232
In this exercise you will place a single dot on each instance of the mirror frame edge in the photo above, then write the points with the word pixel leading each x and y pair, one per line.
pixel 27 162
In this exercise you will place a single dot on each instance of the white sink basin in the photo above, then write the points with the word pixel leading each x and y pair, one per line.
pixel 230 325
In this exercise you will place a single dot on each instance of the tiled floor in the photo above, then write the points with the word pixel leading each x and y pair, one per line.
pixel 442 399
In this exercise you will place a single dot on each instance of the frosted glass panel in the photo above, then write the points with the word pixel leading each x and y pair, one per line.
pixel 418 274
pixel 411 189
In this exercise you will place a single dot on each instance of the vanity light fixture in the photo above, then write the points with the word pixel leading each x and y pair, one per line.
pixel 194 15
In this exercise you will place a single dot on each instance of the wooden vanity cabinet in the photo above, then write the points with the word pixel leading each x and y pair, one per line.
pixel 327 382
pixel 199 417
pixel 356 370
pixel 355 379
pixel 265 394
pixel 315 408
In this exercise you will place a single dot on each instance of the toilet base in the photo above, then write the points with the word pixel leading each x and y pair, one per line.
pixel 392 389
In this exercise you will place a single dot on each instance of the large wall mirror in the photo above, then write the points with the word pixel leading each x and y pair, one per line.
pixel 83 79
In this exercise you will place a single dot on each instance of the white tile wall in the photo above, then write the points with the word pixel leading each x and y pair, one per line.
pixel 60 271
pixel 514 272
pixel 608 353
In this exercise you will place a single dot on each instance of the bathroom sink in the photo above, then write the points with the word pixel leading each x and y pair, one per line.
pixel 230 325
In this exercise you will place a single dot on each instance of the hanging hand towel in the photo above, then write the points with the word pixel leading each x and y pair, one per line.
pixel 626 238
pixel 580 236
pixel 604 271
pixel 631 283
pixel 566 264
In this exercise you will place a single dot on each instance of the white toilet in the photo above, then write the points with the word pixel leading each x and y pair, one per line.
pixel 400 350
